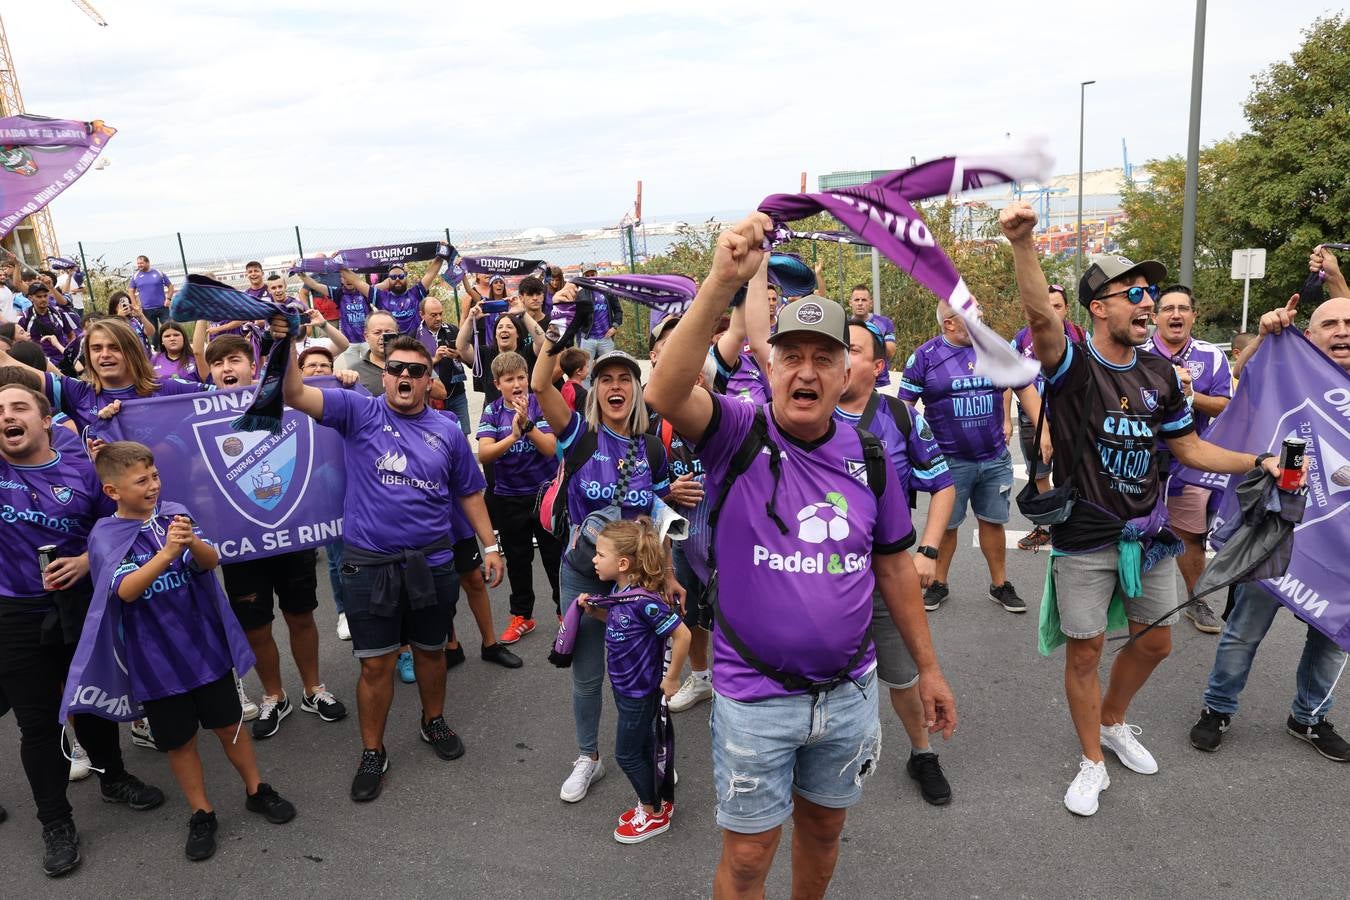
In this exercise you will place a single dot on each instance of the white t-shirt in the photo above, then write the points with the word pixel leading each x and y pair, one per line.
pixel 66 285
pixel 7 311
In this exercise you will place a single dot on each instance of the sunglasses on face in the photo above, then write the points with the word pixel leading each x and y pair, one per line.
pixel 1135 294
pixel 412 369
pixel 399 277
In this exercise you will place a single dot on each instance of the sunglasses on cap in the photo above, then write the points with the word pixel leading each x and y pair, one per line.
pixel 412 369
pixel 1135 294
pixel 1058 289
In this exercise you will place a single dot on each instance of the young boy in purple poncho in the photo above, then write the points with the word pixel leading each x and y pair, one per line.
pixel 181 640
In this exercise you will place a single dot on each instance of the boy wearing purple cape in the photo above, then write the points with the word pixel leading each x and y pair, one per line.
pixel 160 637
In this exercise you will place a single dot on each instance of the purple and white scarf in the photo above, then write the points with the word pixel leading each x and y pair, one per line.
pixel 880 213
pixel 375 259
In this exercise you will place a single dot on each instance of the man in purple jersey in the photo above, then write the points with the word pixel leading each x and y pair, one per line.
pixel 742 353
pixel 966 413
pixel 152 289
pixel 406 465
pixel 352 306
pixel 1029 407
pixel 1111 404
pixel 396 296
pixel 919 464
pixel 860 304
pixel 606 316
pixel 1208 385
pixel 51 327
pixel 51 498
pixel 802 540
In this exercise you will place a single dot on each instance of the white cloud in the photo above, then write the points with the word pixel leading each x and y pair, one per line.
pixel 399 113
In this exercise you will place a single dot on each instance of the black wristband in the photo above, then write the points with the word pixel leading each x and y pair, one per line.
pixel 1261 458
pixel 925 550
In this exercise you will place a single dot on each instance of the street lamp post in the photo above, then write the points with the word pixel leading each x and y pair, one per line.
pixel 1082 107
pixel 1187 274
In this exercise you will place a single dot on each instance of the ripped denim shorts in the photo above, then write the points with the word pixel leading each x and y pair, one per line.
pixel 821 748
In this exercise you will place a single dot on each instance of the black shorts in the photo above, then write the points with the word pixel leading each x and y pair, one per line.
pixel 467 556
pixel 426 629
pixel 252 584
pixel 174 720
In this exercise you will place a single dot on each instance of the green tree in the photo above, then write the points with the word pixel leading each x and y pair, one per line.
pixel 1282 185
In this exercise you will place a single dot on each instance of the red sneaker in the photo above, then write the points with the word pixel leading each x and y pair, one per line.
pixel 641 825
pixel 668 811
pixel 517 629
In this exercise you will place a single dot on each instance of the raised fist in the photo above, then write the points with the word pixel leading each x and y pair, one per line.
pixel 1017 220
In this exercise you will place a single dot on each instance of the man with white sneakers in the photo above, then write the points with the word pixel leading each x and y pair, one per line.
pixel 1110 405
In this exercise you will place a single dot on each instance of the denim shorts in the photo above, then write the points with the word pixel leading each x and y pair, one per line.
pixel 821 748
pixel 986 485
pixel 425 629
pixel 1085 582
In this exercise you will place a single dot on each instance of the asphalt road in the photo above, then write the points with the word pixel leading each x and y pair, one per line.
pixel 1265 816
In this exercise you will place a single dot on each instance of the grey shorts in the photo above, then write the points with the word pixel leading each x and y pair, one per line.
pixel 1084 583
pixel 895 667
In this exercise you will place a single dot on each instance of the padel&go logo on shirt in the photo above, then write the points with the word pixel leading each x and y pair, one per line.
pixel 817 523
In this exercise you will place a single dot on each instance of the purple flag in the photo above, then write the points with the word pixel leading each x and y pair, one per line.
pixel 254 493
pixel 98 682
pixel 668 293
pixel 374 259
pixel 1291 389
pixel 40 158
pixel 880 213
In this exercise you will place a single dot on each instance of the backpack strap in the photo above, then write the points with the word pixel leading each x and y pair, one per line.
pixel 901 414
pixel 874 458
pixel 582 449
pixel 656 452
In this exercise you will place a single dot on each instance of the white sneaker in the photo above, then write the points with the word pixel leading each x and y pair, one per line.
pixel 250 708
pixel 79 762
pixel 694 691
pixel 1120 740
pixel 585 772
pixel 141 736
pixel 343 632
pixel 1081 798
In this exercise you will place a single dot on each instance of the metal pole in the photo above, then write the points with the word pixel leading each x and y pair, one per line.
pixel 1193 151
pixel 300 248
pixel 1246 291
pixel 1082 109
pixel 876 282
pixel 88 279
pixel 181 255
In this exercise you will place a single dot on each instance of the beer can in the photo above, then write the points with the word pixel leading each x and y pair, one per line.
pixel 1292 453
pixel 46 554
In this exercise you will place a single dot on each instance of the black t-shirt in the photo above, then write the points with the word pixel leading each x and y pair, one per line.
pixel 1126 409
pixel 484 382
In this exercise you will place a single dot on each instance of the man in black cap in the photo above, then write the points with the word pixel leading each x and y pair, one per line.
pixel 1109 406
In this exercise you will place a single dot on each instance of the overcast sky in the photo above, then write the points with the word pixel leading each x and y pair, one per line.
pixel 264 113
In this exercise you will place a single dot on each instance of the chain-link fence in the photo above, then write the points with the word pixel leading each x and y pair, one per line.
pixel 223 255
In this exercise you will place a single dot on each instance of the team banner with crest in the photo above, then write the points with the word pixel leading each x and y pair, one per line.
pixel 254 493
pixel 40 158
pixel 1290 389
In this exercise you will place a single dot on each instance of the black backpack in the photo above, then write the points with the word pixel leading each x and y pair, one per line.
pixel 756 442
pixel 903 419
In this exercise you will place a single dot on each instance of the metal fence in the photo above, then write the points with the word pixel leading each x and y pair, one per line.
pixel 223 255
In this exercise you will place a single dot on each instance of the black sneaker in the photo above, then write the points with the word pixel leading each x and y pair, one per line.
pixel 270 714
pixel 369 778
pixel 324 705
pixel 442 739
pixel 132 791
pixel 924 768
pixel 1006 596
pixel 454 657
pixel 935 595
pixel 61 851
pixel 201 842
pixel 1207 734
pixel 1323 737
pixel 270 804
pixel 498 654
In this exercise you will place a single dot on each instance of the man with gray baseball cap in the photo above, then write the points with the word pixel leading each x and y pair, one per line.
pixel 809 516
pixel 1106 269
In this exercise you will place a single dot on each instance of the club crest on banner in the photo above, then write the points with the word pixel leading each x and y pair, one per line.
pixel 262 475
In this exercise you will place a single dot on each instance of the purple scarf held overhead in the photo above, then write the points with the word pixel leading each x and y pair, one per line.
pixel 667 294
pixel 375 259
pixel 880 213
pixel 98 682
pixel 202 298
pixel 505 266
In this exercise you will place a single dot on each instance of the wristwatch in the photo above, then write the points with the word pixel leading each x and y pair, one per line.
pixel 491 548
pixel 925 550
pixel 529 426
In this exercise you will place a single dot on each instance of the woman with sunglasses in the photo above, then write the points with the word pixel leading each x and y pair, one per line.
pixel 614 424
